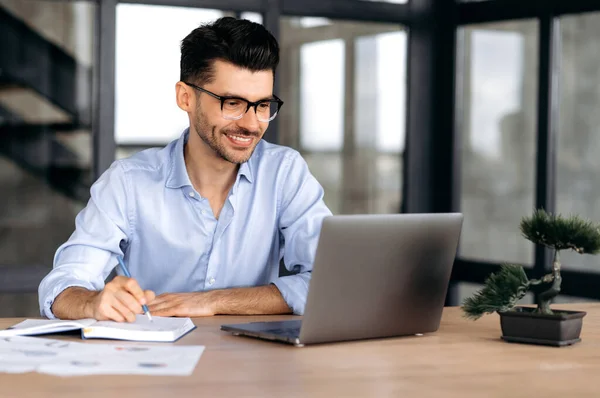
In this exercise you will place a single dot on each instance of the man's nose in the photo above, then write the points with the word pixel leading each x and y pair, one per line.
pixel 250 120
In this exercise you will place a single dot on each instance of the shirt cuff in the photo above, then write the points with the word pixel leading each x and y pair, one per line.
pixel 294 289
pixel 47 300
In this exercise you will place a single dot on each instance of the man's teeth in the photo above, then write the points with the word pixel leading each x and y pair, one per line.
pixel 239 138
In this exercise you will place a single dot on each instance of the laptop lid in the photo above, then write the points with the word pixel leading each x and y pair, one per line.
pixel 380 276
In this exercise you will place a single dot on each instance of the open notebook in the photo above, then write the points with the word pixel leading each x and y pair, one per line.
pixel 159 329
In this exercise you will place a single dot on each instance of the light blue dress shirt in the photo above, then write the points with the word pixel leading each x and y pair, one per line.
pixel 145 208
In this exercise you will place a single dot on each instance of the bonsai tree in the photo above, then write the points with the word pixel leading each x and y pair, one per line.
pixel 502 290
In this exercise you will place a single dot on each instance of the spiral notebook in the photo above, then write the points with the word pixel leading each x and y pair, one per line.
pixel 160 329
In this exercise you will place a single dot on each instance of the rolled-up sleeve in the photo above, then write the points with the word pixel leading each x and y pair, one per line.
pixel 101 228
pixel 301 214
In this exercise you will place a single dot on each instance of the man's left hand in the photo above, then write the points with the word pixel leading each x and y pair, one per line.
pixel 183 305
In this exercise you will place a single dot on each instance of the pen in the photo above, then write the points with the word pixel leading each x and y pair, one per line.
pixel 127 274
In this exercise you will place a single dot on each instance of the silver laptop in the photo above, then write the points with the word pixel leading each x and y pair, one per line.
pixel 374 276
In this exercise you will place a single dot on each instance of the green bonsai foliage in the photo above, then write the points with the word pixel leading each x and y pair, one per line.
pixel 502 290
pixel 559 233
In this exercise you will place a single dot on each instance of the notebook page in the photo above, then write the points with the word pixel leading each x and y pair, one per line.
pixel 159 329
pixel 142 324
pixel 41 326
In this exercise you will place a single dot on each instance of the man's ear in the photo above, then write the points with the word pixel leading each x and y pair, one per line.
pixel 185 97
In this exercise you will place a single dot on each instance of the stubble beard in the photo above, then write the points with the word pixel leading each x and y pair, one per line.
pixel 211 137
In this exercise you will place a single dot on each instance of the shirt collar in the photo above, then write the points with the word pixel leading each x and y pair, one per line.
pixel 246 170
pixel 178 176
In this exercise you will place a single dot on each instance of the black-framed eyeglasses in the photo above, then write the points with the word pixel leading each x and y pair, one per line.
pixel 234 108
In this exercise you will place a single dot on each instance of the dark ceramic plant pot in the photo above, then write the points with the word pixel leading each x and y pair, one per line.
pixel 524 325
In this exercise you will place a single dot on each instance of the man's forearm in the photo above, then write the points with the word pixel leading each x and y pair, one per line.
pixel 249 301
pixel 235 301
pixel 73 303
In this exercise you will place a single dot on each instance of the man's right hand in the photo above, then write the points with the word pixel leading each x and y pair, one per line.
pixel 120 300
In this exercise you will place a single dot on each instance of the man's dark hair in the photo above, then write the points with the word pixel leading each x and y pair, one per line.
pixel 241 42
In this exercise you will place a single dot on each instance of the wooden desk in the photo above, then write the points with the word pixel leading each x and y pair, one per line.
pixel 463 359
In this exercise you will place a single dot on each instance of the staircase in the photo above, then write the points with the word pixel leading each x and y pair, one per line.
pixel 34 70
pixel 45 146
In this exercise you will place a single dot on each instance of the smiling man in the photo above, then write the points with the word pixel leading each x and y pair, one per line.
pixel 204 222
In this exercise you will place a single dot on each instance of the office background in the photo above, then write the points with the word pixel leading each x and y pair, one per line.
pixel 486 107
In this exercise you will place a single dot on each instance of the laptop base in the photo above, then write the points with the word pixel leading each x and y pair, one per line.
pixel 282 331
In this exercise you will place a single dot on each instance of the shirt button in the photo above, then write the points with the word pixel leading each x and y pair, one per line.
pixel 211 281
pixel 192 194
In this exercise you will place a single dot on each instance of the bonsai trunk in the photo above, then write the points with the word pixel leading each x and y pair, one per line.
pixel 545 298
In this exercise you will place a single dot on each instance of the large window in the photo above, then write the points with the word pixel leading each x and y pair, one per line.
pixel 578 168
pixel 528 126
pixel 498 136
pixel 344 84
pixel 147 68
